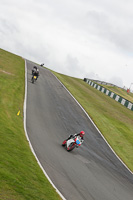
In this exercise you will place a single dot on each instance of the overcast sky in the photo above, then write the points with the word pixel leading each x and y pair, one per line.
pixel 79 38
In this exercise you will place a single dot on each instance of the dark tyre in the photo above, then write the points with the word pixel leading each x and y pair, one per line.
pixel 64 143
pixel 71 147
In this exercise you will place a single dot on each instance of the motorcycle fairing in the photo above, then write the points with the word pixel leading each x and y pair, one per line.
pixel 69 142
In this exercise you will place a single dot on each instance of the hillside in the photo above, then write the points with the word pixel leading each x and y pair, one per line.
pixel 113 119
pixel 123 93
pixel 20 175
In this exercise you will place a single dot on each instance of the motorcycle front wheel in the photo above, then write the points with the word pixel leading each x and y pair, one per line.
pixel 71 147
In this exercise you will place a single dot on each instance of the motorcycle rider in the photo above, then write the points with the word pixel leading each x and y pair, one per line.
pixel 34 70
pixel 81 134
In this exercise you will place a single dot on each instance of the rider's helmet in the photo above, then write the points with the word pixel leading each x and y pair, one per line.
pixel 35 67
pixel 82 133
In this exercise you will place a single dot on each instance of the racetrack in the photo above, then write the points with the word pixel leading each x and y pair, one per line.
pixel 91 172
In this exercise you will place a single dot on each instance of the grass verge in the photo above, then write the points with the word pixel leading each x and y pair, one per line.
pixel 113 119
pixel 20 176
pixel 123 93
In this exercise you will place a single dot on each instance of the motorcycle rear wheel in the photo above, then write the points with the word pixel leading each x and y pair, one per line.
pixel 64 143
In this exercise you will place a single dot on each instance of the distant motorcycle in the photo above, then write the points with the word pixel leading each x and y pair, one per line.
pixel 71 143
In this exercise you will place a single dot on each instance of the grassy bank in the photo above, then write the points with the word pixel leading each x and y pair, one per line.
pixel 20 176
pixel 113 120
pixel 123 93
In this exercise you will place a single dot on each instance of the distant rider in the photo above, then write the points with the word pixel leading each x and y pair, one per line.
pixel 35 71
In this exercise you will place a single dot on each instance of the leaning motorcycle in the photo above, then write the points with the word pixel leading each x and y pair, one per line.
pixel 71 143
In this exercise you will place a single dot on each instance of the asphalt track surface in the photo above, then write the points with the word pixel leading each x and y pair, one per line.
pixel 91 172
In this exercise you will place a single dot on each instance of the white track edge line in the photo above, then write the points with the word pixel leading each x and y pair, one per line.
pixel 24 110
pixel 95 126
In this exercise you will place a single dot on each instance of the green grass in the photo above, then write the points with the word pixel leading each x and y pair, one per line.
pixel 20 176
pixel 113 120
pixel 123 93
